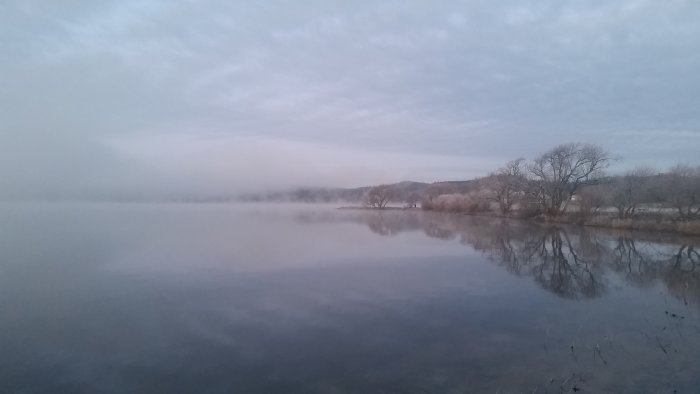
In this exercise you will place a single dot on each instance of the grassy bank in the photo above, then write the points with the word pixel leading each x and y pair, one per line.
pixel 648 224
pixel 658 222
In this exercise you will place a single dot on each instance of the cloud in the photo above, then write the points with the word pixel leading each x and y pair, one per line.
pixel 478 80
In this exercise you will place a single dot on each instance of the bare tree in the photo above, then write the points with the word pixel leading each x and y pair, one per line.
pixel 432 192
pixel 630 190
pixel 590 201
pixel 412 200
pixel 380 196
pixel 506 186
pixel 560 172
pixel 683 191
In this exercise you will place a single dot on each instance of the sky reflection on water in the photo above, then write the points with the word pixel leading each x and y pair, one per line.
pixel 199 298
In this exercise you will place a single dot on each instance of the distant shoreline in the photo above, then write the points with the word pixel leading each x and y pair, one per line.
pixel 654 223
pixel 361 208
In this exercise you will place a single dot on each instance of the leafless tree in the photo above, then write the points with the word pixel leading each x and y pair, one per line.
pixel 432 192
pixel 682 191
pixel 460 202
pixel 380 196
pixel 591 200
pixel 412 200
pixel 630 190
pixel 562 171
pixel 506 186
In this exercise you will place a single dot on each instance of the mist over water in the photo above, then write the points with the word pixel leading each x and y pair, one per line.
pixel 219 298
pixel 133 131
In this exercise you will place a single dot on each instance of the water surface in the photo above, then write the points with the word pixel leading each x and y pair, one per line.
pixel 223 298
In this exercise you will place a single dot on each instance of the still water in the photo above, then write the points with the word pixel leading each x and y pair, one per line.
pixel 116 298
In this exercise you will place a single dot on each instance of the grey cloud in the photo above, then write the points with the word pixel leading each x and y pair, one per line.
pixel 482 80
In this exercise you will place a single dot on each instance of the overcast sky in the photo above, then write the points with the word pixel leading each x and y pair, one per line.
pixel 200 97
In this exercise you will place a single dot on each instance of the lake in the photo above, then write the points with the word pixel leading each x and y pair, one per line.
pixel 236 298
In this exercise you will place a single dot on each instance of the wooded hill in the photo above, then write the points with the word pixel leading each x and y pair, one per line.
pixel 402 193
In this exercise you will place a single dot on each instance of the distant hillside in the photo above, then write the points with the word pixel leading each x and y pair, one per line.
pixel 351 195
pixel 460 186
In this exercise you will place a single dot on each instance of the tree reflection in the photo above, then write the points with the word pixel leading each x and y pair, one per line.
pixel 559 266
pixel 682 278
pixel 571 262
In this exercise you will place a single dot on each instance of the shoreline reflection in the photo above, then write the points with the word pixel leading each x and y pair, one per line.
pixel 568 261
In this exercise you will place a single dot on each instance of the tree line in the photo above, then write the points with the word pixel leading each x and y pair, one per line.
pixel 567 181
